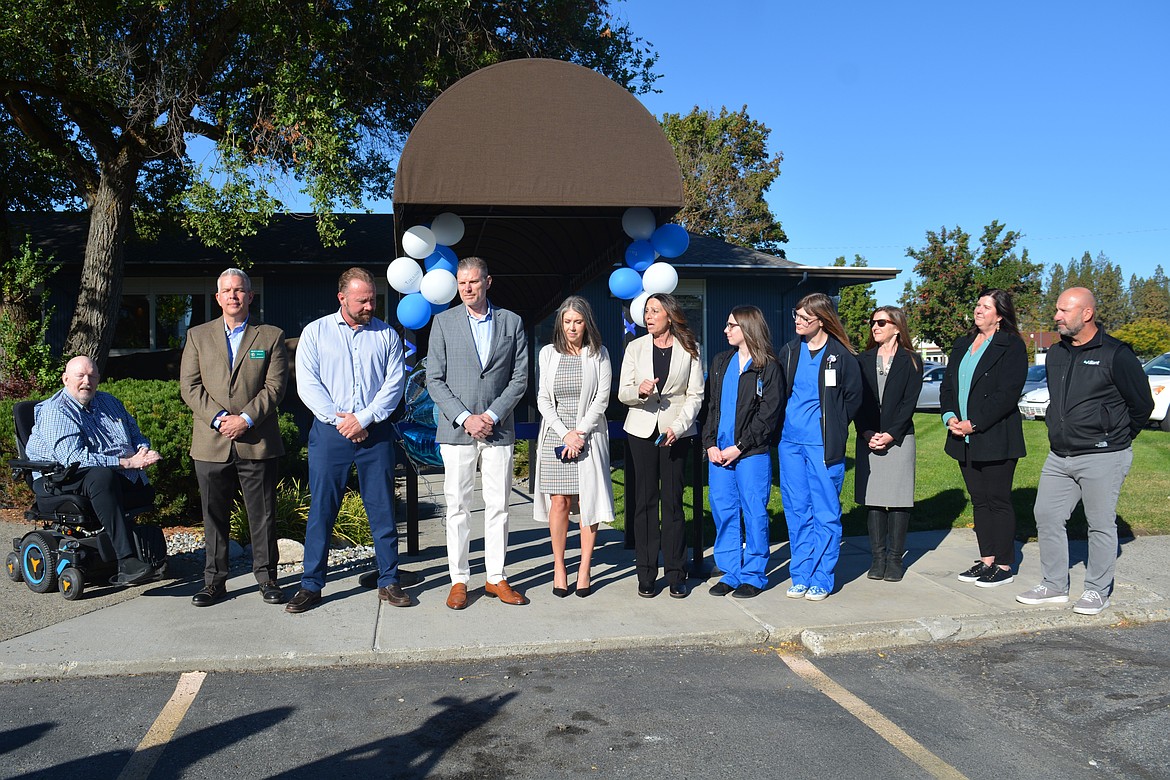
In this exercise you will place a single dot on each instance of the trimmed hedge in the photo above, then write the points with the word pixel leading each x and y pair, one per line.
pixel 167 422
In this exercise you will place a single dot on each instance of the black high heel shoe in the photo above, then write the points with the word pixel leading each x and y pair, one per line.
pixel 560 593
pixel 583 592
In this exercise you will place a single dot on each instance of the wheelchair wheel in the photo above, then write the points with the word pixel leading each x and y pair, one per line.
pixel 38 561
pixel 71 583
pixel 12 564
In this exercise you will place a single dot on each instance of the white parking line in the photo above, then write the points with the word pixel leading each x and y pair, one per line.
pixel 874 720
pixel 150 749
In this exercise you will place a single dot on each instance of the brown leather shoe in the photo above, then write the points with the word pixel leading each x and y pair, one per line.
pixel 505 593
pixel 395 596
pixel 457 598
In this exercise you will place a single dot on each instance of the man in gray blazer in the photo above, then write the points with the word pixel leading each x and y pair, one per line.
pixel 477 372
pixel 233 374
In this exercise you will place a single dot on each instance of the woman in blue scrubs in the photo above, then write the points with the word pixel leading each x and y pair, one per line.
pixel 743 415
pixel 823 391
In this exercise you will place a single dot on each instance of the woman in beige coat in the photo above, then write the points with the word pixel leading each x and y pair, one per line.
pixel 573 387
pixel 662 384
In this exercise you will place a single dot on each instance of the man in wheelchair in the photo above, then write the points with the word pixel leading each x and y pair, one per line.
pixel 80 425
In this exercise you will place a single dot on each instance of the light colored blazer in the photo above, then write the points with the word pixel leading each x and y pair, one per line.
pixel 676 407
pixel 593 480
pixel 254 385
pixel 457 383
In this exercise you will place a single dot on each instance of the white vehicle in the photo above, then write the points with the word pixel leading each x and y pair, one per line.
pixel 1034 405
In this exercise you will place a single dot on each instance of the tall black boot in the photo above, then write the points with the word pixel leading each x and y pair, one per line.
pixel 876 520
pixel 899 523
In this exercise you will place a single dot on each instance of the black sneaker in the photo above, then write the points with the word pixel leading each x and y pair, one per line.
pixel 994 577
pixel 746 591
pixel 975 572
pixel 720 589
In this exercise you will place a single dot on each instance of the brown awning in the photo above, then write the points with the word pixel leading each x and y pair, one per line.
pixel 540 158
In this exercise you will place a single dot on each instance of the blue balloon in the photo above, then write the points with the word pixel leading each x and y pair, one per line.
pixel 442 257
pixel 639 255
pixel 625 283
pixel 670 240
pixel 414 311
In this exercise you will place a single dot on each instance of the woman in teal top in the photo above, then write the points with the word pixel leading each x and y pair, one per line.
pixel 978 396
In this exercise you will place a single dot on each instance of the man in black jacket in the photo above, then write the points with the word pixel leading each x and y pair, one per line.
pixel 1099 401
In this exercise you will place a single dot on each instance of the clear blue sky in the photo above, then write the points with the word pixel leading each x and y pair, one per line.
pixel 898 118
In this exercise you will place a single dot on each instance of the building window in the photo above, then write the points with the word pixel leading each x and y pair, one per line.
pixel 691 295
pixel 155 314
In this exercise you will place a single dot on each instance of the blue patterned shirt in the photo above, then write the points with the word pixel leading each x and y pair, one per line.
pixel 95 435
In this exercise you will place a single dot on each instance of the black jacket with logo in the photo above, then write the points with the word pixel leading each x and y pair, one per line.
pixel 1099 396
pixel 839 401
pixel 758 405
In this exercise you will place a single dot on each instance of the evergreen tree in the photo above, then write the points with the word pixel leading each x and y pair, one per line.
pixel 855 306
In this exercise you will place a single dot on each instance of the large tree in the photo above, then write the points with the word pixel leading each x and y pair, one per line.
pixel 951 275
pixel 726 170
pixel 319 93
pixel 856 305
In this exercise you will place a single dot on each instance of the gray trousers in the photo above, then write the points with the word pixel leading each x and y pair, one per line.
pixel 1096 480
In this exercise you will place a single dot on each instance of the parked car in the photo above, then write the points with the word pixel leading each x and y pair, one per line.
pixel 1037 378
pixel 1034 405
pixel 932 375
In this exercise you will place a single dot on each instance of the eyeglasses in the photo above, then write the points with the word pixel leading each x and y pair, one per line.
pixel 803 320
pixel 731 325
pixel 880 323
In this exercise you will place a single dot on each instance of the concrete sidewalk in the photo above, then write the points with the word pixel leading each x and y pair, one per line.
pixel 159 630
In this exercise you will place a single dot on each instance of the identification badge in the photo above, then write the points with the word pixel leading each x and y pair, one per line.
pixel 760 387
pixel 256 354
pixel 831 377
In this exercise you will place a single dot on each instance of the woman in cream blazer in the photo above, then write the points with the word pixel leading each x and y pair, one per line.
pixel 662 384
pixel 575 419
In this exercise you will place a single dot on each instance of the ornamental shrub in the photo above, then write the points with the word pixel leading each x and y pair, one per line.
pixel 166 421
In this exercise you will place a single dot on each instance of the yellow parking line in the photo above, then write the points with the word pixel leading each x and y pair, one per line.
pixel 878 723
pixel 150 749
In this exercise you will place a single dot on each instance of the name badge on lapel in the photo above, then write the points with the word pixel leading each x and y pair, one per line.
pixel 831 373
pixel 256 354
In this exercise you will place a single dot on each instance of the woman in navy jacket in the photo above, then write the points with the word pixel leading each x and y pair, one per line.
pixel 743 412
pixel 979 395
pixel 823 391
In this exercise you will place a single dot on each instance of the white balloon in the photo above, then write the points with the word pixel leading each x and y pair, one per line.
pixel 638 309
pixel 418 242
pixel 660 278
pixel 439 285
pixel 448 228
pixel 638 222
pixel 405 275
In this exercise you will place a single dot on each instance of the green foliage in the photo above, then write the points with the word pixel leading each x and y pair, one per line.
pixel 166 421
pixel 320 94
pixel 726 171
pixel 951 276
pixel 292 513
pixel 27 363
pixel 1151 297
pixel 1148 337
pixel 856 306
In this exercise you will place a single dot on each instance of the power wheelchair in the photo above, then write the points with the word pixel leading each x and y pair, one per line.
pixel 70 549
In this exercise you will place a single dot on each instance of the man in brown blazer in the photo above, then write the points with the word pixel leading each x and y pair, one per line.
pixel 234 373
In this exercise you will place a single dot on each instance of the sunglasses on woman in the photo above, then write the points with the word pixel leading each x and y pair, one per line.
pixel 880 323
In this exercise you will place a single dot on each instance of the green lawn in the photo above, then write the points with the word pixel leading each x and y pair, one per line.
pixel 941 501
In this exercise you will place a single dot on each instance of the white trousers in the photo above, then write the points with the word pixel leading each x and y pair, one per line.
pixel 495 466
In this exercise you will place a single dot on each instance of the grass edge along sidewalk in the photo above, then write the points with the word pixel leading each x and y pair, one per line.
pixel 941 502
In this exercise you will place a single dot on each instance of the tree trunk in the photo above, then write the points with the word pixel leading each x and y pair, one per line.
pixel 92 330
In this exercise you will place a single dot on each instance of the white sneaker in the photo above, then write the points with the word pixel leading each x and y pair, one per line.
pixel 1042 594
pixel 796 591
pixel 1090 603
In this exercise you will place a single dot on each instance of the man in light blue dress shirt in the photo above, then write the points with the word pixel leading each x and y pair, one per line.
pixel 350 374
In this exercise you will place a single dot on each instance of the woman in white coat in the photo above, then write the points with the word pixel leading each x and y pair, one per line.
pixel 572 468
pixel 662 384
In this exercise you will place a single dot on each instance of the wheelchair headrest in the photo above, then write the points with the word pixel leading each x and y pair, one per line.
pixel 23 417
